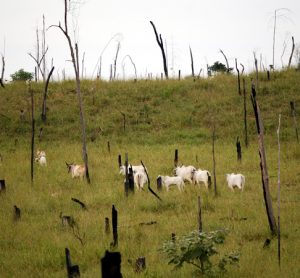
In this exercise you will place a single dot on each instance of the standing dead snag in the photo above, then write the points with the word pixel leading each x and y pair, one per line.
pixel 291 56
pixel 32 133
pixel 245 113
pixel 239 81
pixel 161 46
pixel 278 191
pixel 263 164
pixel 214 160
pixel 192 64
pixel 111 265
pixel 114 217
pixel 238 149
pixel 75 62
pixel 44 116
pixel 228 69
pixel 292 104
pixel 2 72
pixel 72 270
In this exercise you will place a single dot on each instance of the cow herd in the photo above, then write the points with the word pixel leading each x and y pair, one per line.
pixel 181 175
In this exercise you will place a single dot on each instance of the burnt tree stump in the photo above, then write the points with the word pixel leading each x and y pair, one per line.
pixel 2 186
pixel 140 264
pixel 114 213
pixel 176 158
pixel 238 149
pixel 17 213
pixel 111 265
pixel 107 228
pixel 72 270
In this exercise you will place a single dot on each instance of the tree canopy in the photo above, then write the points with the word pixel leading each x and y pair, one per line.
pixel 21 75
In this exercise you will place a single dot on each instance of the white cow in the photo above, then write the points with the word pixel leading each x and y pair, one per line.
pixel 186 172
pixel 77 171
pixel 168 181
pixel 135 168
pixel 202 176
pixel 41 158
pixel 140 178
pixel 235 180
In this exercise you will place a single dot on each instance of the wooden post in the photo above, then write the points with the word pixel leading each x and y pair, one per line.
pixel 292 104
pixel 140 264
pixel 2 186
pixel 179 75
pixel 278 193
pixel 111 265
pixel 199 215
pixel 130 180
pixel 268 75
pixel 214 161
pixel 108 147
pixel 114 218
pixel 245 113
pixel 119 160
pixel 192 63
pixel 176 158
pixel 263 164
pixel 107 228
pixel 238 149
pixel 72 270
pixel 159 184
pixel 17 213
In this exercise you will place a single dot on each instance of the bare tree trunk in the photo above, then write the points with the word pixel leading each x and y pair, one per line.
pixel 256 71
pixel 44 50
pixel 263 164
pixel 75 62
pixel 192 64
pixel 245 113
pixel 243 68
pixel 32 132
pixel 274 33
pixel 44 110
pixel 214 161
pixel 161 45
pixel 82 65
pixel 37 55
pixel 227 64
pixel 2 72
pixel 278 192
pixel 239 81
pixel 292 53
pixel 115 61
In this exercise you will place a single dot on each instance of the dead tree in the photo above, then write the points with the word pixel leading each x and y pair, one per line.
pixel 256 70
pixel 238 149
pixel 214 160
pixel 192 64
pixel 226 60
pixel 161 46
pixel 2 72
pixel 278 191
pixel 115 60
pixel 44 108
pixel 32 133
pixel 263 164
pixel 44 50
pixel 238 75
pixel 292 53
pixel 292 104
pixel 75 62
pixel 243 68
pixel 245 113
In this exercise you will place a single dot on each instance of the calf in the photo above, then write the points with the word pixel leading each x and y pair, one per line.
pixel 235 180
pixel 41 158
pixel 77 171
pixel 168 181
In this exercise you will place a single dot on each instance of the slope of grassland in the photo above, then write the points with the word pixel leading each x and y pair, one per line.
pixel 160 116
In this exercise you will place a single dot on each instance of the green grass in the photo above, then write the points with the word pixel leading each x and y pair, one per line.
pixel 161 116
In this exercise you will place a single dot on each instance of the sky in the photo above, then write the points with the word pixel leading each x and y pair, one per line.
pixel 237 27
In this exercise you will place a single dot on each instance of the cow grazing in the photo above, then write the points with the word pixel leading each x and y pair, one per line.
pixel 140 179
pixel 41 158
pixel 135 169
pixel 186 172
pixel 77 171
pixel 168 181
pixel 202 176
pixel 235 180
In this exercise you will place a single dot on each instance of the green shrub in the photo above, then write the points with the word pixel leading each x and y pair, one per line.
pixel 21 75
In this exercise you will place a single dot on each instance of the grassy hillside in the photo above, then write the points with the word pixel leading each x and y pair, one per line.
pixel 161 116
